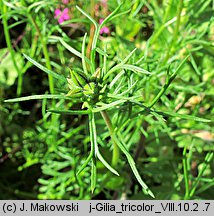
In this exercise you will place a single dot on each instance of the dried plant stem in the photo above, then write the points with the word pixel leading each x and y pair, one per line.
pixel 92 31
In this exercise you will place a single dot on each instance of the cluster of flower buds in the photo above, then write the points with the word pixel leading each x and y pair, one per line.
pixel 76 82
pixel 82 87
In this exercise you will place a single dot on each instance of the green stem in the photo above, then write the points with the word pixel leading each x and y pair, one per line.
pixel 32 52
pixel 54 118
pixel 116 152
pixel 168 82
pixel 10 47
pixel 175 33
pixel 208 158
pixel 165 23
pixel 169 2
pixel 186 176
pixel 46 55
pixel 162 91
pixel 93 150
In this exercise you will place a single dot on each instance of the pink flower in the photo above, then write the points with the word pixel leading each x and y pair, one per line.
pixel 61 15
pixel 101 20
pixel 65 1
pixel 104 29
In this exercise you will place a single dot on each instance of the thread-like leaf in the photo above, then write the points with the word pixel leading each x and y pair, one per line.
pixel 93 139
pixel 53 74
pixel 106 164
pixel 117 77
pixel 71 112
pixel 37 97
pixel 93 136
pixel 120 64
pixel 88 16
pixel 183 116
pixel 107 106
pixel 85 163
pixel 110 16
pixel 123 65
pixel 207 160
pixel 93 174
pixel 131 162
pixel 135 69
pixel 83 55
pixel 168 82
pixel 101 52
pixel 119 14
pixel 94 146
pixel 67 46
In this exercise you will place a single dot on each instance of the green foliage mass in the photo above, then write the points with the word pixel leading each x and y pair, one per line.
pixel 124 114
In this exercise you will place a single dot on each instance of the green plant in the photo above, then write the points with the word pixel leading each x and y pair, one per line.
pixel 94 89
pixel 136 102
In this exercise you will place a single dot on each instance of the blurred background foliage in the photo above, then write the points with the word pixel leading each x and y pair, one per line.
pixel 39 156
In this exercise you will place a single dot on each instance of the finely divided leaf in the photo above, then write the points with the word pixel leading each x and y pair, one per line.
pixel 37 97
pixel 183 116
pixel 53 74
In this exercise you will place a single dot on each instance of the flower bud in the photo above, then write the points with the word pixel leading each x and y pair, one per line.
pixel 89 89
pixel 97 73
pixel 78 79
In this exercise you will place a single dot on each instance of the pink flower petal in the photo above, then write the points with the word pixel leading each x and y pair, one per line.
pixel 65 11
pixel 60 20
pixel 106 30
pixel 66 16
pixel 101 20
pixel 57 12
